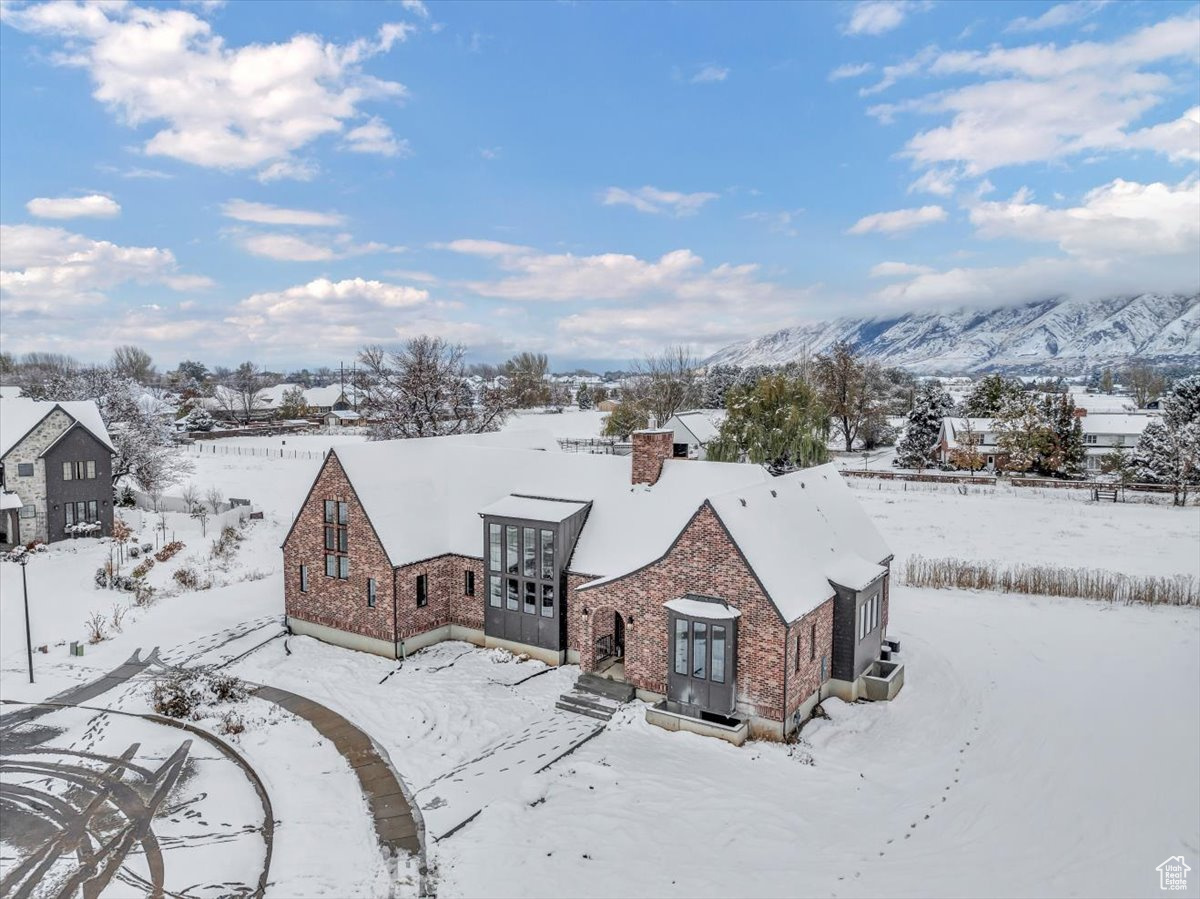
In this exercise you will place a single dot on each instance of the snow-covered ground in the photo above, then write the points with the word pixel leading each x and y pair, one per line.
pixel 1039 747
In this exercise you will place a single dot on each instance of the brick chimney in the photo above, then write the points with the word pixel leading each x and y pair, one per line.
pixel 651 447
pixel 1080 412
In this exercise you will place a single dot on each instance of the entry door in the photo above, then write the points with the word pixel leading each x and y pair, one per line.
pixel 703 663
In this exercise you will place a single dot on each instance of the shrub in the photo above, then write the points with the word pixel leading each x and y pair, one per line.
pixel 118 616
pixel 143 568
pixel 34 546
pixel 169 550
pixel 175 695
pixel 96 625
pixel 143 595
pixel 227 544
pixel 102 575
pixel 231 723
pixel 135 551
pixel 187 694
pixel 147 547
pixel 1051 580
pixel 226 688
pixel 187 577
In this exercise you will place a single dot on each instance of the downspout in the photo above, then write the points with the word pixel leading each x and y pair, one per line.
pixel 395 619
pixel 785 672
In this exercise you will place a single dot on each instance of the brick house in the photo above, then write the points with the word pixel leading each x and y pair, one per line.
pixel 713 589
pixel 55 471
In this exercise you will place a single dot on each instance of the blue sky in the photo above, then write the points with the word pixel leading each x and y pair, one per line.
pixel 288 182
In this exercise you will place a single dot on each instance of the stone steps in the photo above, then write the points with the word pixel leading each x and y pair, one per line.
pixel 569 702
pixel 601 686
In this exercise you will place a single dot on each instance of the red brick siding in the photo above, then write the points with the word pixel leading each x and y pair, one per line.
pixel 704 561
pixel 333 602
pixel 444 589
pixel 803 681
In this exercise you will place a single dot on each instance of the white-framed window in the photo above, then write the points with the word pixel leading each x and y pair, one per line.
pixel 1091 438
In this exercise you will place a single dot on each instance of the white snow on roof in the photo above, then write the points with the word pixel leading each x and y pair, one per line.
pixel 704 424
pixel 19 416
pixel 1110 423
pixel 9 501
pixel 797 531
pixel 852 571
pixel 9 391
pixel 699 608
pixel 344 414
pixel 423 496
pixel 555 510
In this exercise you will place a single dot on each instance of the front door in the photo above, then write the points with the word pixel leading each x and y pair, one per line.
pixel 619 636
pixel 703 664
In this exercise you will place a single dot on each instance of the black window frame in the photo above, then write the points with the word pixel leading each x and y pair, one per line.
pixel 468 582
pixel 422 590
pixel 303 578
pixel 336 521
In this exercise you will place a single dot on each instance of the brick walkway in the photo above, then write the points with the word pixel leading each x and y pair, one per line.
pixel 395 822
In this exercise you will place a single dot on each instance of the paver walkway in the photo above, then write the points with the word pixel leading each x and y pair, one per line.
pixel 396 822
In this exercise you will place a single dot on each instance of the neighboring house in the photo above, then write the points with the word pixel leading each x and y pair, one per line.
pixel 1102 432
pixel 693 430
pixel 319 400
pixel 953 436
pixel 341 419
pixel 56 458
pixel 720 592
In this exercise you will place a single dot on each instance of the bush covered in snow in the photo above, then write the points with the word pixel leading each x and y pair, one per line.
pixel 190 694
pixel 143 569
pixel 169 550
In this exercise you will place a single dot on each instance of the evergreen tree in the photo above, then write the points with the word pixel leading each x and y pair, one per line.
pixel 199 419
pixel 1181 404
pixel 584 398
pixel 718 380
pixel 1169 455
pixel 1023 434
pixel 1106 381
pixel 930 405
pixel 779 423
pixel 990 395
pixel 1065 454
pixel 292 404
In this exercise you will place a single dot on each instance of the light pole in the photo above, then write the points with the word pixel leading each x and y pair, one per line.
pixel 23 561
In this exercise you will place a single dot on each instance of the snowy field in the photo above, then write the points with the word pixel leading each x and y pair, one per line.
pixel 1039 747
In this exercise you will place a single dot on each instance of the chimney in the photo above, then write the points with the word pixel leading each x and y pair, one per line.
pixel 1080 412
pixel 651 447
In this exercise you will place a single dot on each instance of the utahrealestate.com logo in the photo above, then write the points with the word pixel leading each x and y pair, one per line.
pixel 1172 874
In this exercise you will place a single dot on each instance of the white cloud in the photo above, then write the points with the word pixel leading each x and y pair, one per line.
pixel 1058 16
pixel 880 16
pixel 291 248
pixel 50 270
pixel 266 214
pixel 376 137
pixel 1117 220
pixel 345 313
pixel 248 107
pixel 898 220
pixel 416 7
pixel 653 200
pixel 939 181
pixel 1040 103
pixel 490 152
pixel 291 169
pixel 777 222
pixel 850 70
pixel 898 270
pixel 474 247
pixel 710 74
pixel 90 206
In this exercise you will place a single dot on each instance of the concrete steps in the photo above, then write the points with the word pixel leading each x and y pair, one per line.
pixel 596 697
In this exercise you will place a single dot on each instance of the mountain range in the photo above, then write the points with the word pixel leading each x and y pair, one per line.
pixel 1060 335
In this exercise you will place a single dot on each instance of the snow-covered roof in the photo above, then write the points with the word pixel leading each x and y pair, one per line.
pixel 344 414
pixel 9 391
pixel 704 424
pixel 1114 423
pixel 953 427
pixel 451 479
pixel 555 510
pixel 798 532
pixel 1102 402
pixel 853 572
pixel 701 608
pixel 19 416
pixel 9 501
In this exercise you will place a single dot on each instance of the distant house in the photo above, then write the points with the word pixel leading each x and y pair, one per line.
pixel 693 430
pixel 731 599
pixel 1104 432
pixel 55 471
pixel 341 418
pixel 319 400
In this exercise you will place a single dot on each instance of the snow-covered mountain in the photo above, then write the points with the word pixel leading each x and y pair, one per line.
pixel 1060 335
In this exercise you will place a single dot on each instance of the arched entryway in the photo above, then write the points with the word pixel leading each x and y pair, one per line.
pixel 603 651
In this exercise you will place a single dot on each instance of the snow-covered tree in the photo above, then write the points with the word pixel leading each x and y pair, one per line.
pixel 966 454
pixel 990 395
pixel 528 384
pixel 584 398
pixel 853 390
pixel 780 423
pixel 1181 404
pixel 1065 455
pixel 718 381
pixel 1169 455
pixel 292 404
pixel 422 390
pixel 930 405
pixel 1022 434
pixel 199 419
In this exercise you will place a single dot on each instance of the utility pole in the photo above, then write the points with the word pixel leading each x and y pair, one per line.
pixel 24 560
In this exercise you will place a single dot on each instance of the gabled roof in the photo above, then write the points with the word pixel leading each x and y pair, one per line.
pixel 1116 423
pixel 801 531
pixel 424 496
pixel 704 424
pixel 20 416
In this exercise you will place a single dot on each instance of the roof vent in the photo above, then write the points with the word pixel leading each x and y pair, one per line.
pixel 742 500
pixel 653 422
pixel 773 493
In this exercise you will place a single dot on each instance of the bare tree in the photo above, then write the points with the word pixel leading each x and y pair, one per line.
pixel 665 384
pixel 190 494
pixel 134 363
pixel 240 392
pixel 527 382
pixel 422 390
pixel 214 499
pixel 1145 382
pixel 852 390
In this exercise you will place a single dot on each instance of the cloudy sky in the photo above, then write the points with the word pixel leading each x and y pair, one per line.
pixel 287 182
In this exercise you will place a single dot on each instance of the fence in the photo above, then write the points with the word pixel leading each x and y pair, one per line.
pixel 1055 483
pixel 930 477
pixel 262 452
pixel 229 514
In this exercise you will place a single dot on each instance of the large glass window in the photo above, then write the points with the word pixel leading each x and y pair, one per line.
pixel 529 546
pixel 330 511
pixel 718 654
pixel 69 508
pixel 547 601
pixel 93 511
pixel 494 591
pixel 68 469
pixel 494 548
pixel 681 646
pixel 337 538
pixel 547 555
pixel 512 597
pixel 699 649
pixel 512 559
pixel 530 597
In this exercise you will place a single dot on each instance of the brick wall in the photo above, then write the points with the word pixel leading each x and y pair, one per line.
pixel 650 449
pixel 333 602
pixel 448 603
pixel 804 679
pixel 704 561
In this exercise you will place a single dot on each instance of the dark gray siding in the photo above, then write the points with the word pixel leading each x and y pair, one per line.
pixel 851 656
pixel 77 445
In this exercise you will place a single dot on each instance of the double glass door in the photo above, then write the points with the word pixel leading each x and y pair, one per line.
pixel 703 663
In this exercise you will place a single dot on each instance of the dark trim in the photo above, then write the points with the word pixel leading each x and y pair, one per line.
pixel 75 423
